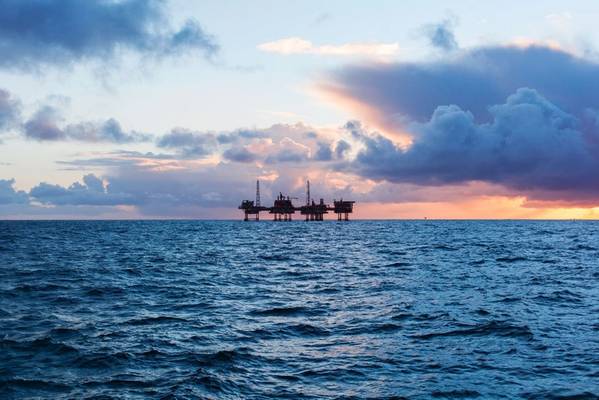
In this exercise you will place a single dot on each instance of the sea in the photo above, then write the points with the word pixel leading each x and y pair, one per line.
pixel 299 310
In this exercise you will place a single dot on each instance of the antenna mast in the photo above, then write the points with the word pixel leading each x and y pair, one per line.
pixel 307 193
pixel 258 193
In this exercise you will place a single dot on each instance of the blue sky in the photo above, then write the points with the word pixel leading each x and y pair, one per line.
pixel 199 71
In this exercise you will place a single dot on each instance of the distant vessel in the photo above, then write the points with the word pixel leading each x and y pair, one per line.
pixel 283 208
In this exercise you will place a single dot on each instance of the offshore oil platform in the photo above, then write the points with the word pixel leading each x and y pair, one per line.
pixel 283 208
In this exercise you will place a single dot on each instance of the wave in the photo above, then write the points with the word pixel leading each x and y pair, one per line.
pixel 499 328
pixel 274 257
pixel 560 296
pixel 398 264
pixel 511 259
pixel 225 356
pixel 456 394
pixel 44 345
pixel 64 331
pixel 445 247
pixel 585 247
pixel 104 291
pixel 555 395
pixel 49 287
pixel 292 311
pixel 296 330
pixel 420 317
pixel 102 360
pixel 382 328
pixel 163 319
pixel 34 384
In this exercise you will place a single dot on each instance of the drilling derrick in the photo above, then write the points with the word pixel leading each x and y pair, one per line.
pixel 257 193
pixel 313 211
pixel 250 207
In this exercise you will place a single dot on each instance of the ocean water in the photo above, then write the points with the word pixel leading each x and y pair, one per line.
pixel 319 310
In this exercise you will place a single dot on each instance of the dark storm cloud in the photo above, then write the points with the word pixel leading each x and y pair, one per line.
pixel 10 109
pixel 530 145
pixel 189 143
pixel 91 192
pixel 8 195
pixel 473 80
pixel 46 32
pixel 44 125
pixel 441 35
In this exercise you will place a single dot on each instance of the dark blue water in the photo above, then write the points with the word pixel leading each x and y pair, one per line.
pixel 231 310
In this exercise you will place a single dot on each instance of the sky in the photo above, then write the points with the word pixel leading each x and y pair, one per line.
pixel 137 109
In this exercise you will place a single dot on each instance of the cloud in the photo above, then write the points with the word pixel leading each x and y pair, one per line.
pixel 280 143
pixel 323 152
pixel 107 131
pixel 328 151
pixel 45 125
pixel 91 192
pixel 138 184
pixel 396 94
pixel 177 192
pixel 10 110
pixel 295 45
pixel 239 154
pixel 8 195
pixel 240 134
pixel 342 148
pixel 288 150
pixel 34 33
pixel 191 35
pixel 189 143
pixel 529 145
pixel 441 35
